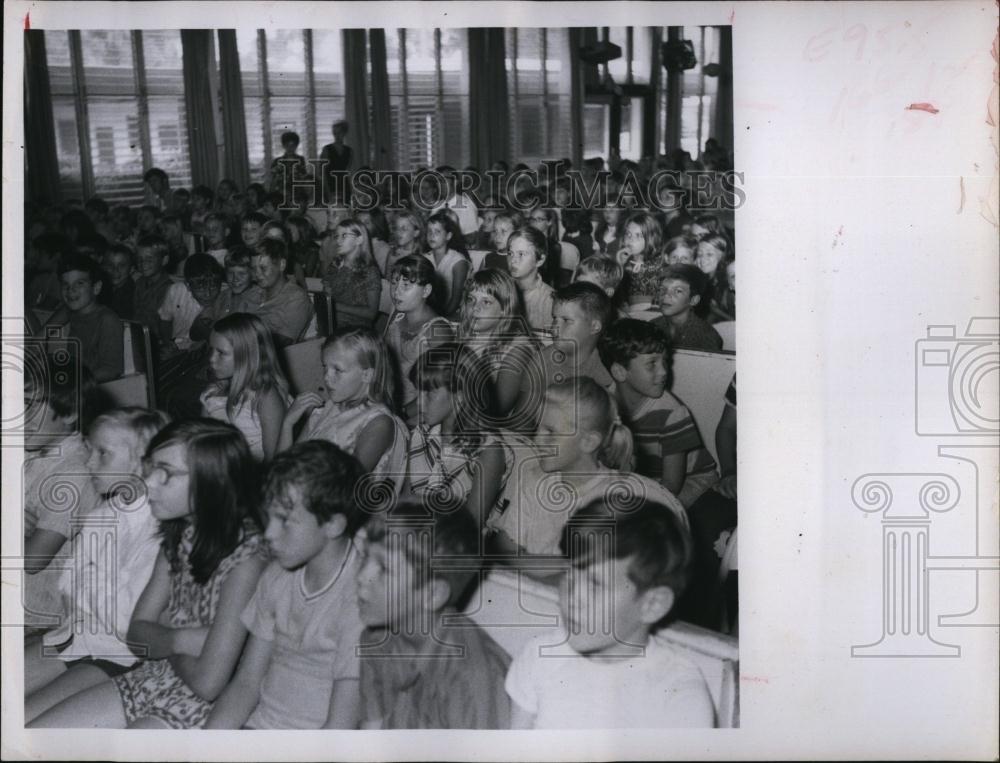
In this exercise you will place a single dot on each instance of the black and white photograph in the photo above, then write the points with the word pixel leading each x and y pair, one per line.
pixel 379 373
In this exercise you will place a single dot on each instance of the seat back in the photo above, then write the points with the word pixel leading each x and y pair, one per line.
pixel 700 382
pixel 727 330
pixel 135 386
pixel 324 313
pixel 303 365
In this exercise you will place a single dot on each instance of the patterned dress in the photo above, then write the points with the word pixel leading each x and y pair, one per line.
pixel 154 689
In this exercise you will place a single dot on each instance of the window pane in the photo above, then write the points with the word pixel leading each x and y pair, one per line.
pixel 57 57
pixel 619 67
pixel 246 44
pixel 168 139
pixel 419 51
pixel 162 53
pixel 557 65
pixel 286 61
pixel 67 146
pixel 255 138
pixel 115 150
pixel 328 64
pixel 107 62
pixel 529 61
pixel 328 111
pixel 642 52
pixel 596 122
pixel 392 52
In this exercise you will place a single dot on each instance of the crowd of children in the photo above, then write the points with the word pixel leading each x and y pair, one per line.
pixel 496 391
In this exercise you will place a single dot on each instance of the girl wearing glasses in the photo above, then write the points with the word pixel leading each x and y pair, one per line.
pixel 352 280
pixel 202 487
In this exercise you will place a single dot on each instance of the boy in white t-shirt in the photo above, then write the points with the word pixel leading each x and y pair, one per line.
pixel 299 669
pixel 608 670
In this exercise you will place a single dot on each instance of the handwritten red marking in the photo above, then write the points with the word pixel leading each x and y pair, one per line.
pixel 928 107
pixel 961 198
pixel 755 679
pixel 836 239
pixel 27 21
pixel 732 15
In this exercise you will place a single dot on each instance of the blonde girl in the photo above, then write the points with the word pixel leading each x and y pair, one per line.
pixel 250 391
pixel 492 325
pixel 354 410
pixel 583 452
pixel 352 280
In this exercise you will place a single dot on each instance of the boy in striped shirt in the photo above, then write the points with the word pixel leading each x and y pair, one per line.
pixel 668 446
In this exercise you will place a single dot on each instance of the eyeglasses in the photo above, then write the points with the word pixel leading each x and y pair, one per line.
pixel 539 219
pixel 149 468
pixel 346 234
pixel 203 282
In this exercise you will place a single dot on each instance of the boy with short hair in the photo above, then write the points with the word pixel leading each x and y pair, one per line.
pixel 681 290
pixel 117 264
pixel 604 272
pixel 626 570
pixel 299 669
pixel 668 446
pixel 202 199
pixel 504 224
pixel 185 301
pixel 424 665
pixel 250 228
pixel 215 230
pixel 96 326
pixel 285 307
pixel 152 256
pixel 287 167
pixel 580 313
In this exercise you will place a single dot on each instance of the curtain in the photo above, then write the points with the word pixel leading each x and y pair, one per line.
pixel 41 163
pixel 356 95
pixel 489 122
pixel 675 99
pixel 381 139
pixel 197 47
pixel 236 160
pixel 655 78
pixel 723 127
pixel 577 38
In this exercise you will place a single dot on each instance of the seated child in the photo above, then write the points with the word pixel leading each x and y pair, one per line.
pixel 57 487
pixel 285 307
pixel 680 250
pixel 202 200
pixel 606 274
pixel 578 231
pixel 250 390
pixel 504 224
pixel 615 673
pixel 669 447
pixel 215 233
pixel 151 257
pixel 113 552
pixel 117 264
pixel 43 289
pixel 299 669
pixel 424 665
pixel 355 410
pixel 580 314
pixel 185 301
pixel 583 451
pixel 482 239
pixel 96 327
pixel 526 258
pixel 681 292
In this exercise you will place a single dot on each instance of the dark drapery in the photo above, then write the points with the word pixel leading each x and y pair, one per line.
pixel 580 71
pixel 383 157
pixel 41 163
pixel 723 131
pixel 356 94
pixel 197 47
pixel 236 162
pixel 489 110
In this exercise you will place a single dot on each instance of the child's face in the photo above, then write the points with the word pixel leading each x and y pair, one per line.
pixel 146 221
pixel 698 231
pixel 168 482
pixel 345 379
pixel 199 203
pixel 682 255
pixel 290 147
pixel 148 263
pixel 562 197
pixel 611 215
pixel 647 374
pixel 522 259
pixel 557 431
pixel 239 278
pixel 215 233
pixel 266 272
pixel 635 242
pixel 602 608
pixel 404 231
pixel 387 574
pixel 539 221
pixel 220 356
pixel 204 289
pixel 293 532
pixel 708 258
pixel 675 297
pixel 250 232
pixel 79 292
pixel 501 233
pixel 489 219
pixel 113 458
pixel 408 295
pixel 437 237
pixel 348 242
pixel 485 310
pixel 434 406
pixel 224 191
pixel 571 327
pixel 180 201
pixel 118 266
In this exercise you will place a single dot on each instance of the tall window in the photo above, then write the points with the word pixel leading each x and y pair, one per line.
pixel 698 104
pixel 328 71
pixel 253 101
pixel 126 89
